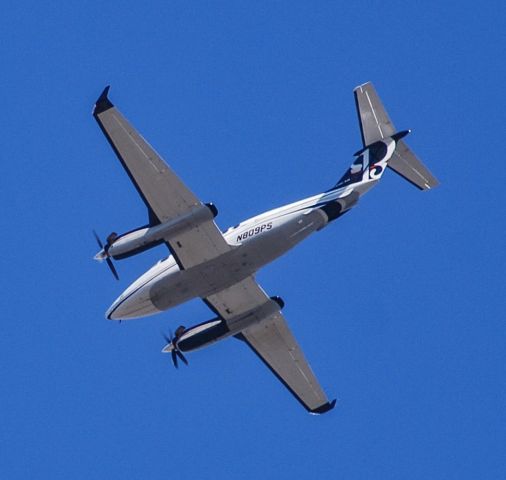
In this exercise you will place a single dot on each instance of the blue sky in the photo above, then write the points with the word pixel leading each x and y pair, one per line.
pixel 399 306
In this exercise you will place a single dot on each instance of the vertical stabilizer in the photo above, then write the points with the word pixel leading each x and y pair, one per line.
pixel 375 124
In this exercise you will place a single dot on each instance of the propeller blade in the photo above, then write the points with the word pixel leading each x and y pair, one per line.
pixel 174 357
pixel 97 238
pixel 181 356
pixel 112 268
pixel 179 331
pixel 108 260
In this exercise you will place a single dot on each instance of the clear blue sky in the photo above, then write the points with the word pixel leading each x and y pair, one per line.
pixel 399 306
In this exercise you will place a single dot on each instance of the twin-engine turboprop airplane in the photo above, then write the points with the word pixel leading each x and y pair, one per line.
pixel 219 267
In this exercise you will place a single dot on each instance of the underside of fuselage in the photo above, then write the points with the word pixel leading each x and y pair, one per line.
pixel 165 285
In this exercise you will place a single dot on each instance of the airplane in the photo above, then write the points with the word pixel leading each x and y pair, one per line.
pixel 219 267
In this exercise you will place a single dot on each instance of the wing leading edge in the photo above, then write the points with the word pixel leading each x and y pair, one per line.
pixel 268 335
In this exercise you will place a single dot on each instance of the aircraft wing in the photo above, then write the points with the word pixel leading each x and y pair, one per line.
pixel 165 195
pixel 268 335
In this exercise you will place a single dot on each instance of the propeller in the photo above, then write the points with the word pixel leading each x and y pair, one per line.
pixel 105 248
pixel 175 352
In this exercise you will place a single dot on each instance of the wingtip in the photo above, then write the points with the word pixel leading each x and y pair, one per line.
pixel 362 85
pixel 430 186
pixel 324 408
pixel 103 103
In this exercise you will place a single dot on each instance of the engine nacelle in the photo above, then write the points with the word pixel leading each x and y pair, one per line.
pixel 202 335
pixel 143 238
pixel 213 330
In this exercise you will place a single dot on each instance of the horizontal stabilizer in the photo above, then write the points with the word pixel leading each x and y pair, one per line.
pixel 408 165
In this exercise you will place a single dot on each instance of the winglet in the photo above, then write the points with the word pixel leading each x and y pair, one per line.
pixel 323 408
pixel 103 103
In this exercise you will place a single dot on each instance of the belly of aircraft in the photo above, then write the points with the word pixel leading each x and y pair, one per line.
pixel 173 286
pixel 267 246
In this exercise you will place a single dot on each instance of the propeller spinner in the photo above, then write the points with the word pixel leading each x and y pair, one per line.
pixel 172 346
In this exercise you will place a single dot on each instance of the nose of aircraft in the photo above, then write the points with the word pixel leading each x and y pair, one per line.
pixel 129 305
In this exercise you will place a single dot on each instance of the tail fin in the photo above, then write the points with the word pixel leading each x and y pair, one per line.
pixel 375 125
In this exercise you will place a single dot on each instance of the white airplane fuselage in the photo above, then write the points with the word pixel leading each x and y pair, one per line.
pixel 256 242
